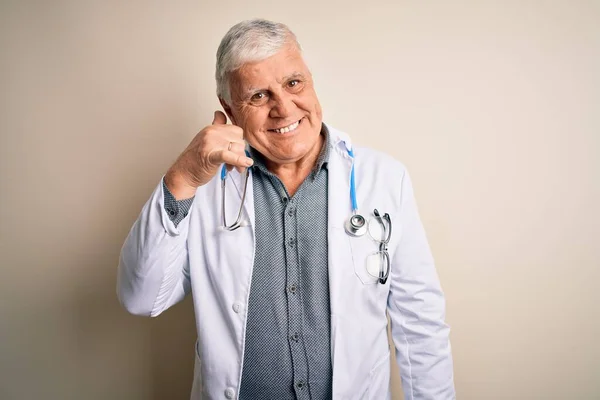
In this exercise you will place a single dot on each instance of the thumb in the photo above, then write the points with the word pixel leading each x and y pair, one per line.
pixel 219 119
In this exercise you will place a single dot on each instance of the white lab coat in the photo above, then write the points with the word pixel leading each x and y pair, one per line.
pixel 161 263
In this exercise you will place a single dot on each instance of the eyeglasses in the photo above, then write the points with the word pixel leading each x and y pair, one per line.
pixel 378 263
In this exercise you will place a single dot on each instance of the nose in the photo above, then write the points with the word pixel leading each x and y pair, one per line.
pixel 283 106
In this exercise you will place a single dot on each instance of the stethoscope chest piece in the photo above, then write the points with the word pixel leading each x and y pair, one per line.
pixel 356 225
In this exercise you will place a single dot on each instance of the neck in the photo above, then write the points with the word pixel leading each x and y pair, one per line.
pixel 293 174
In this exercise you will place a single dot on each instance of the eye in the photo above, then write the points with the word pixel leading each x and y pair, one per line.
pixel 259 98
pixel 295 85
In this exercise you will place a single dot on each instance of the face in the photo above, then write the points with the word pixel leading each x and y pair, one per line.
pixel 275 103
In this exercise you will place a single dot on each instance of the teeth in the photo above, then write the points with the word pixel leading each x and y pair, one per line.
pixel 288 128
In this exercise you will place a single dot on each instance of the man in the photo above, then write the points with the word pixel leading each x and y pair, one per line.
pixel 291 302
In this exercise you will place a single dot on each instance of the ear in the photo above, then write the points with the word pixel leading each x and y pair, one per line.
pixel 227 110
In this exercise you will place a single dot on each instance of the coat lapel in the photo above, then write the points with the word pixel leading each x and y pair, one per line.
pixel 339 251
pixel 339 210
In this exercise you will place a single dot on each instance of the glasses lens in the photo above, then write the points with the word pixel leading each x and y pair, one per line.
pixel 377 230
pixel 377 264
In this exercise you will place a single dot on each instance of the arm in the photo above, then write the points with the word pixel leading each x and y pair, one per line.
pixel 416 308
pixel 154 267
pixel 153 270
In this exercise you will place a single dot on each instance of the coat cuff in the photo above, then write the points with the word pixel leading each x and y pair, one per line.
pixel 177 210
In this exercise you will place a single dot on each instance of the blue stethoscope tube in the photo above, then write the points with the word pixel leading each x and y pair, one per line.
pixel 353 185
pixel 356 225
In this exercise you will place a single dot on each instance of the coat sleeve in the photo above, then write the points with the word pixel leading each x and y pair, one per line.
pixel 416 307
pixel 153 271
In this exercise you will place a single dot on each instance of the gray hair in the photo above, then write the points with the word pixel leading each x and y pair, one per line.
pixel 248 41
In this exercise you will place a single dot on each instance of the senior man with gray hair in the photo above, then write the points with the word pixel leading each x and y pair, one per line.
pixel 292 299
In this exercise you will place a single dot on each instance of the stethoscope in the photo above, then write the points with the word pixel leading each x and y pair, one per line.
pixel 356 225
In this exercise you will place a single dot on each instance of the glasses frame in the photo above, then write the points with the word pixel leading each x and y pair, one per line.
pixel 385 264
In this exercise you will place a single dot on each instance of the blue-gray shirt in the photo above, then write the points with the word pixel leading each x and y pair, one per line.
pixel 287 346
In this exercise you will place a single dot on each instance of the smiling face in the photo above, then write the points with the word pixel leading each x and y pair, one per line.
pixel 275 103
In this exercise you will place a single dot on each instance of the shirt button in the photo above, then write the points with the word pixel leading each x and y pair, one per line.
pixel 292 289
pixel 291 242
pixel 291 212
pixel 230 393
pixel 237 307
pixel 295 337
pixel 300 385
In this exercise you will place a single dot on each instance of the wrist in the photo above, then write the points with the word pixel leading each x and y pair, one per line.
pixel 178 185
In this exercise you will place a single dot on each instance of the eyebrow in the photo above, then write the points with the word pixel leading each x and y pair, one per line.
pixel 294 75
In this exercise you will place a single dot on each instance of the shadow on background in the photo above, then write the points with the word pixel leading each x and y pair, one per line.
pixel 172 339
pixel 115 348
pixel 119 355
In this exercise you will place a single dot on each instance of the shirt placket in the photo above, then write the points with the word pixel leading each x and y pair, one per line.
pixel 294 300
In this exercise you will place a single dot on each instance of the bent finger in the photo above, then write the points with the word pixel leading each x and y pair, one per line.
pixel 236 147
pixel 229 157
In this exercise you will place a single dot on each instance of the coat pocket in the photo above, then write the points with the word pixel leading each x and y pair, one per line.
pixel 365 258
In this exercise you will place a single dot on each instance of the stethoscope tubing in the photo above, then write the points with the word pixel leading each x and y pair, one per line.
pixel 236 224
